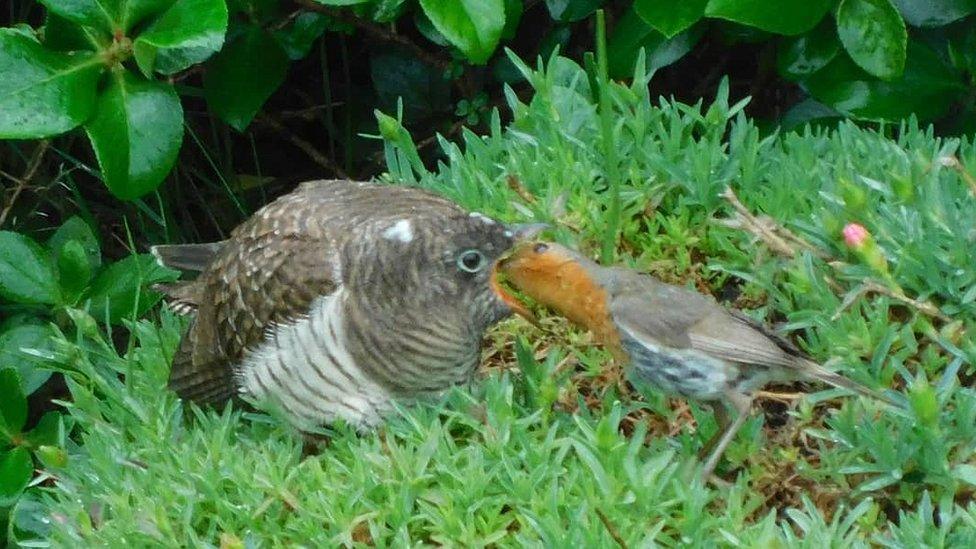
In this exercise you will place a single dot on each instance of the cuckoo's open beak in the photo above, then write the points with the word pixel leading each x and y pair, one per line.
pixel 521 233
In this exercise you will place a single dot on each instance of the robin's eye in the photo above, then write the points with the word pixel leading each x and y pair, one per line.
pixel 471 261
pixel 540 248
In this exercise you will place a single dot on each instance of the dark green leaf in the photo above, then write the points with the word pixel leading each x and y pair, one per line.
pixel 343 2
pixel 16 469
pixel 49 431
pixel 75 228
pixel 783 17
pixel 107 15
pixel 808 53
pixel 297 38
pixel 74 270
pixel 927 88
pixel 121 287
pixel 807 111
pixel 13 406
pixel 26 271
pixel 632 33
pixel 259 11
pixel 388 11
pixel 669 17
pixel 427 29
pixel 568 11
pixel 934 13
pixel 188 32
pixel 244 75
pixel 91 13
pixel 136 131
pixel 61 34
pixel 32 369
pixel 473 26
pixel 513 15
pixel 42 92
pixel 873 35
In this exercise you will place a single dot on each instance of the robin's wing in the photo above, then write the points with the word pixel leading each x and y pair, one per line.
pixel 661 314
pixel 271 269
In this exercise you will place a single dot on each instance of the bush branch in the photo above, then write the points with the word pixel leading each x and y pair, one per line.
pixel 21 183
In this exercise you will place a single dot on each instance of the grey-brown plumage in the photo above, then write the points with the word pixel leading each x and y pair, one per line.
pixel 338 298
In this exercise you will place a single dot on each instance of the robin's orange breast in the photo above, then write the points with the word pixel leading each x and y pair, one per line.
pixel 563 285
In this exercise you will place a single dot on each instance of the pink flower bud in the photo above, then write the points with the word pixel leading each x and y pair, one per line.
pixel 855 235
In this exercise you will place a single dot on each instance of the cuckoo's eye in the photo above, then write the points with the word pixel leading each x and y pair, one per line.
pixel 471 261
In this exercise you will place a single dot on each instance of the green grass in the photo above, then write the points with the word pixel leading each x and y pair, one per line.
pixel 542 445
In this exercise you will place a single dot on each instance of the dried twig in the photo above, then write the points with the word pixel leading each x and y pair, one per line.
pixel 21 183
pixel 954 163
pixel 516 185
pixel 306 147
pixel 611 529
pixel 760 228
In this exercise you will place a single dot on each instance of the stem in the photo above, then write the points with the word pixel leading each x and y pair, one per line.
pixel 610 152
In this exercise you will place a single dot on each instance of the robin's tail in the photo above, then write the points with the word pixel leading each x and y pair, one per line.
pixel 186 257
pixel 820 373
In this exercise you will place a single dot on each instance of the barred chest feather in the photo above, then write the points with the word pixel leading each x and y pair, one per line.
pixel 307 367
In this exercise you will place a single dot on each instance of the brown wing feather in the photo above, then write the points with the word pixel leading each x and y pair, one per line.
pixel 271 269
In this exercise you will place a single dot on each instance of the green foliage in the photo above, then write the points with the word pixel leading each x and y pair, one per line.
pixel 134 122
pixel 534 453
pixel 115 68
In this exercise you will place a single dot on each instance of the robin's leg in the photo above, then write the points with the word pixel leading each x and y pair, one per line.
pixel 742 404
pixel 724 420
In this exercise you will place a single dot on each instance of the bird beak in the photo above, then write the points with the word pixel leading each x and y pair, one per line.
pixel 526 231
pixel 513 303
pixel 520 232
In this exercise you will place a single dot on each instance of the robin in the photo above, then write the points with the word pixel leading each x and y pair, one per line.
pixel 339 298
pixel 677 339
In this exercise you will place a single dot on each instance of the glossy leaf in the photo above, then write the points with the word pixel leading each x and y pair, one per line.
pixel 934 13
pixel 669 17
pixel 927 88
pixel 32 369
pixel 808 53
pixel 473 26
pixel 188 33
pixel 513 16
pixel 76 229
pixel 568 11
pixel 136 131
pixel 632 33
pixel 107 15
pixel 42 92
pixel 874 36
pixel 783 17
pixel 61 34
pixel 49 431
pixel 297 38
pixel 27 273
pixel 13 406
pixel 244 75
pixel 121 289
pixel 16 469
